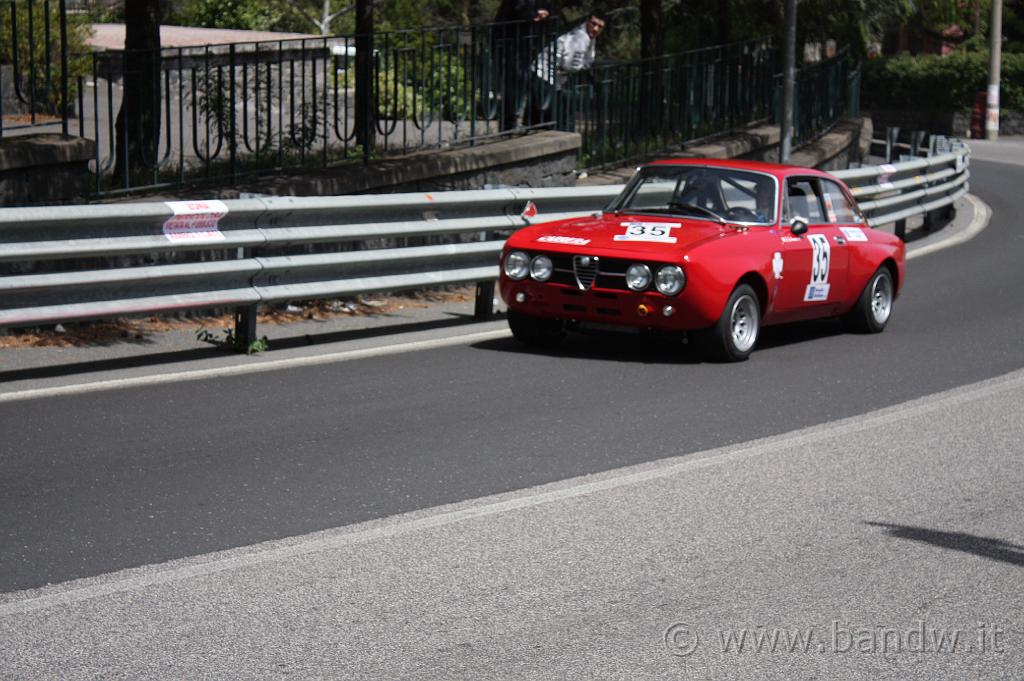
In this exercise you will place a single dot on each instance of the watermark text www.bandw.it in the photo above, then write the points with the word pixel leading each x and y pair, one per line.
pixel 838 637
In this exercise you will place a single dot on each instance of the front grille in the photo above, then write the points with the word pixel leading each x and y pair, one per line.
pixel 604 273
pixel 585 269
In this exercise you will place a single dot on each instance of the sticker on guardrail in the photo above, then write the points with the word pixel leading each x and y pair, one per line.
pixel 884 180
pixel 195 220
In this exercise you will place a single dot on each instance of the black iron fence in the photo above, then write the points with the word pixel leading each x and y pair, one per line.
pixel 219 113
pixel 629 110
pixel 33 64
pixel 825 92
pixel 226 111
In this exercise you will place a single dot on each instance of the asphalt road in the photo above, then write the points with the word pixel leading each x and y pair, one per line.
pixel 903 516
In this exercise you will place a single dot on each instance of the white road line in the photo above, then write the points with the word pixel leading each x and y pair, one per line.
pixel 982 215
pixel 138 579
pixel 241 369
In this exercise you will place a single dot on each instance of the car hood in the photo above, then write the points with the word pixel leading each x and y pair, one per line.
pixel 609 234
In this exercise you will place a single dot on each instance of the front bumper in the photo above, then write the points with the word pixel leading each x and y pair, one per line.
pixel 646 310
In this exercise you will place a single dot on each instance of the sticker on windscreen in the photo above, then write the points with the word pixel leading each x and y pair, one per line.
pixel 660 232
pixel 854 233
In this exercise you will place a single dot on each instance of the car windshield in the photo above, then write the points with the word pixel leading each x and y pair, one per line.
pixel 711 193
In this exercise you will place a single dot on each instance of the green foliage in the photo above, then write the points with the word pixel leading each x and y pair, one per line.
pixel 231 342
pixel 47 90
pixel 941 83
pixel 258 15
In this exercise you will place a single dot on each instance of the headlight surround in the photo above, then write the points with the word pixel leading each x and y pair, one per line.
pixel 541 267
pixel 638 277
pixel 517 265
pixel 670 280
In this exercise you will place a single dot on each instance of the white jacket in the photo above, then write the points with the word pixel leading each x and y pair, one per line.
pixel 574 52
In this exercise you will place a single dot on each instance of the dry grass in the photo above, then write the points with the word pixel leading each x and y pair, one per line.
pixel 84 334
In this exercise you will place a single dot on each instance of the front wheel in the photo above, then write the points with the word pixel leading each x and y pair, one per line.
pixel 536 331
pixel 874 307
pixel 734 336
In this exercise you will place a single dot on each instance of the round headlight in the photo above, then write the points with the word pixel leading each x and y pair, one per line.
pixel 517 265
pixel 541 267
pixel 671 280
pixel 638 276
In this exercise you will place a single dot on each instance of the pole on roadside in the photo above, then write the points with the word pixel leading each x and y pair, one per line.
pixel 788 82
pixel 995 46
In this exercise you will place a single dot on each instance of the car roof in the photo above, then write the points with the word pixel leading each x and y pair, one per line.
pixel 776 169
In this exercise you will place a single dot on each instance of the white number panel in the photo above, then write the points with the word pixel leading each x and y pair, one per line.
pixel 821 256
pixel 648 231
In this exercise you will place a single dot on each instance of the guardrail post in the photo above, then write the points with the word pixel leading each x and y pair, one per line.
pixel 891 135
pixel 483 307
pixel 916 140
pixel 901 229
pixel 245 326
pixel 245 316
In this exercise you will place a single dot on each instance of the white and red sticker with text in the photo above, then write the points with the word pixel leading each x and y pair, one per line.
pixel 195 220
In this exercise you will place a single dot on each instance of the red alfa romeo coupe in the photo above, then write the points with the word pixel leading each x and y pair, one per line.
pixel 715 249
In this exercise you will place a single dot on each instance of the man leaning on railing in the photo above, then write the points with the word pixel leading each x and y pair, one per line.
pixel 574 54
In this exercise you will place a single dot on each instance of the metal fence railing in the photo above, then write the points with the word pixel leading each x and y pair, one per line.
pixel 74 262
pixel 825 92
pixel 218 113
pixel 33 64
pixel 628 110
pixel 228 111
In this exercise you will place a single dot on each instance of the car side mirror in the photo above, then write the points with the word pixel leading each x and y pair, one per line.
pixel 798 226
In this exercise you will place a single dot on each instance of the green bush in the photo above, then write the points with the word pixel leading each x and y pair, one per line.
pixel 940 83
pixel 47 74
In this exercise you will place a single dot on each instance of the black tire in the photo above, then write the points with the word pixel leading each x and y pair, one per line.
pixel 537 332
pixel 874 306
pixel 734 336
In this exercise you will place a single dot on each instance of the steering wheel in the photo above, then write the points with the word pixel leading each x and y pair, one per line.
pixel 741 214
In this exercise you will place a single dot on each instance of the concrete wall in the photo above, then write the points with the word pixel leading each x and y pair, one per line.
pixel 45 169
pixel 955 123
pixel 541 159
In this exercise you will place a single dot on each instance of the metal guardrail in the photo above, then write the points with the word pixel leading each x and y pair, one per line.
pixel 237 254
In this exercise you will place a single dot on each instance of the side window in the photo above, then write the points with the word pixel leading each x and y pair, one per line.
pixel 802 200
pixel 837 207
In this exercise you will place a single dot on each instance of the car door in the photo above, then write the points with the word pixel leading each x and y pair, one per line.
pixel 812 281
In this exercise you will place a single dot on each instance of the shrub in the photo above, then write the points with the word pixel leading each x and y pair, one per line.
pixel 940 83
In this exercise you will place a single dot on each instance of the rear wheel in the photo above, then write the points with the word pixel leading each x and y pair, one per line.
pixel 734 336
pixel 874 307
pixel 537 332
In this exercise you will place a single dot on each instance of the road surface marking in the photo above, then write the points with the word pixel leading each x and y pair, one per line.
pixel 138 579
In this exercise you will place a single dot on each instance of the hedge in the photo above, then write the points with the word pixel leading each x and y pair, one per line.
pixel 940 83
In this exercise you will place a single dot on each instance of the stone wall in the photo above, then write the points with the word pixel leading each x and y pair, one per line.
pixel 44 169
pixel 954 123
pixel 541 159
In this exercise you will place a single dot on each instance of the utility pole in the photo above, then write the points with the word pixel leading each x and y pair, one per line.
pixel 995 46
pixel 788 82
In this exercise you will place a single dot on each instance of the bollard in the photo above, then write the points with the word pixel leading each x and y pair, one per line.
pixel 483 308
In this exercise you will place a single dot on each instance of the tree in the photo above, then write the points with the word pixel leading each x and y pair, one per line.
pixel 652 43
pixel 138 120
pixel 365 118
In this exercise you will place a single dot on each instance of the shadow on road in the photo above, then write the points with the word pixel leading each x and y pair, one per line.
pixel 661 348
pixel 986 547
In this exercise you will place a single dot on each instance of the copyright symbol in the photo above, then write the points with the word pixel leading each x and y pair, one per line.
pixel 680 640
